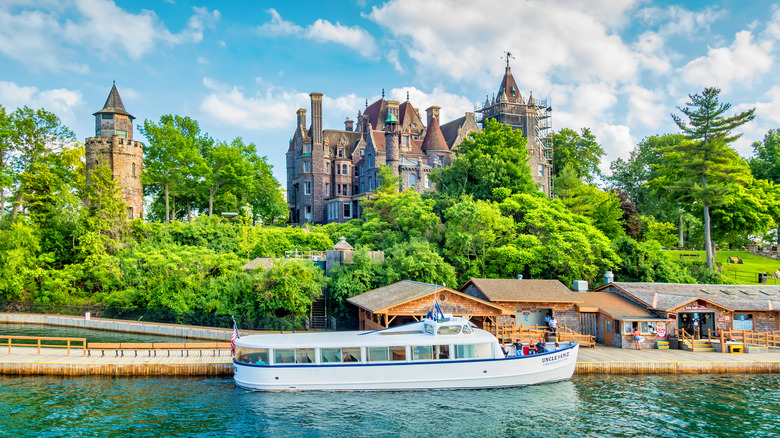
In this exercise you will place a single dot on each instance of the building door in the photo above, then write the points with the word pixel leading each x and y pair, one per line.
pixel 608 322
pixel 696 324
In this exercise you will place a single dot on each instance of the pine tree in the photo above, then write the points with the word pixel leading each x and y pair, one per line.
pixel 708 160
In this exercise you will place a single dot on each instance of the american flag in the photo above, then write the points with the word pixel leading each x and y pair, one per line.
pixel 233 338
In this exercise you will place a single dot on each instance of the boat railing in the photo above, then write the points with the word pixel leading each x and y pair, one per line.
pixel 44 342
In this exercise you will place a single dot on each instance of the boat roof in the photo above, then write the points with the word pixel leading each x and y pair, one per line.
pixel 409 334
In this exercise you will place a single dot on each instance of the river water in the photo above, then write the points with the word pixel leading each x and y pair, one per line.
pixel 665 406
pixel 661 405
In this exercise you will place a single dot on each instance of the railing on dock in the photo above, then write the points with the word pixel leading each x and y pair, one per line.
pixel 685 337
pixel 45 342
pixel 746 338
pixel 565 334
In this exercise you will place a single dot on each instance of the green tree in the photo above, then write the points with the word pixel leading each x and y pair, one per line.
pixel 603 208
pixel 708 162
pixel 417 260
pixel 662 232
pixel 229 168
pixel 103 221
pixel 290 287
pixel 766 162
pixel 495 157
pixel 266 199
pixel 173 161
pixel 580 151
pixel 35 134
pixel 352 279
pixel 6 148
pixel 646 262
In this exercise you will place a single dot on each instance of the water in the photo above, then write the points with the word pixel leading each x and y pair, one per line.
pixel 91 335
pixel 663 406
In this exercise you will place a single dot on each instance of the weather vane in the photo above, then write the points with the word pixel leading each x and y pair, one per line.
pixel 507 55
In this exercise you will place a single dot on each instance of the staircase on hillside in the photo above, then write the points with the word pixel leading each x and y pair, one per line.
pixel 319 317
pixel 698 345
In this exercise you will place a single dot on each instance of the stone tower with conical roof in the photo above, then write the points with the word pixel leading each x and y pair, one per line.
pixel 113 145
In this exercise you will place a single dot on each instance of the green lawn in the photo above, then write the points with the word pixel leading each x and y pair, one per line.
pixel 746 273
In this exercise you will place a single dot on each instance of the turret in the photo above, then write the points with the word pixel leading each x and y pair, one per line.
pixel 392 152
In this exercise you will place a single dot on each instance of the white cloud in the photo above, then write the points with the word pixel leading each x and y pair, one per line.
pixel 44 38
pixel 675 20
pixel 723 65
pixel 273 108
pixel 354 37
pixel 392 57
pixel 645 107
pixel 60 101
pixel 202 60
pixel 616 140
pixel 771 109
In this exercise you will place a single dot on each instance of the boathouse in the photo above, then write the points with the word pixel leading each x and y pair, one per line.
pixel 611 319
pixel 527 301
pixel 699 309
pixel 409 301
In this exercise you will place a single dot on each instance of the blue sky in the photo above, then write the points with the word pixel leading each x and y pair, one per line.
pixel 618 67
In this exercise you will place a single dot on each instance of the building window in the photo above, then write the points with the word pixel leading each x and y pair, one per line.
pixel 427 182
pixel 362 187
pixel 338 188
pixel 344 170
pixel 345 190
pixel 327 167
pixel 370 184
pixel 370 161
pixel 361 169
pixel 355 190
pixel 347 211
pixel 541 170
pixel 307 148
pixel 107 116
pixel 412 180
pixel 341 152
pixel 327 189
pixel 405 140
pixel 307 188
pixel 129 212
pixel 308 213
pixel 120 133
pixel 133 170
pixel 306 167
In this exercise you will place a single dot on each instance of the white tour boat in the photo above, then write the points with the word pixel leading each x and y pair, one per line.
pixel 435 353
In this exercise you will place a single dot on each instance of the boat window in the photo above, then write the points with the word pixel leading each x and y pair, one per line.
pixel 330 355
pixel 466 329
pixel 284 356
pixel 442 352
pixel 448 330
pixel 252 355
pixel 422 352
pixel 377 354
pixel 350 354
pixel 484 351
pixel 429 329
pixel 398 353
pixel 304 355
pixel 465 352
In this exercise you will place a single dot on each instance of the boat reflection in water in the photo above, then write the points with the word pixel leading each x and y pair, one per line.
pixel 439 352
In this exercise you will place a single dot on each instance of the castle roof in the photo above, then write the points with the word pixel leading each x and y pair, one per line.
pixel 434 139
pixel 114 104
pixel 509 88
pixel 375 112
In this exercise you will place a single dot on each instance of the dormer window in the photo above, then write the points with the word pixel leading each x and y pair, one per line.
pixel 341 152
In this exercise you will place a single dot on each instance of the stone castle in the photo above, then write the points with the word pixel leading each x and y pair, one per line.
pixel 113 145
pixel 329 171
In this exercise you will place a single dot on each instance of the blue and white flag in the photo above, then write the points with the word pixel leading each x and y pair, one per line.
pixel 437 310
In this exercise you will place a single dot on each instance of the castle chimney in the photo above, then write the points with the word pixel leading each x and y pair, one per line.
pixel 316 119
pixel 301 113
pixel 348 124
pixel 433 111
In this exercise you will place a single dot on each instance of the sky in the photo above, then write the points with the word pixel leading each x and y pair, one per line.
pixel 242 69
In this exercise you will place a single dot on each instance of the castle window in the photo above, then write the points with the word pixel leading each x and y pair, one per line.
pixel 307 188
pixel 360 168
pixel 344 170
pixel 405 141
pixel 427 182
pixel 107 116
pixel 370 161
pixel 370 184
pixel 306 166
pixel 308 213
pixel 120 133
pixel 327 189
pixel 412 180
pixel 341 152
pixel 355 189
pixel 541 170
pixel 362 187
pixel 338 188
pixel 129 212
pixel 347 210
pixel 345 191
pixel 133 170
pixel 327 167
pixel 306 148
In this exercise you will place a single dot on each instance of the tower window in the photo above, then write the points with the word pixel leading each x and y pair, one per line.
pixel 347 210
pixel 412 180
pixel 344 170
pixel 341 153
pixel 107 116
pixel 307 188
pixel 327 167
pixel 129 212
pixel 306 167
pixel 120 133
pixel 133 170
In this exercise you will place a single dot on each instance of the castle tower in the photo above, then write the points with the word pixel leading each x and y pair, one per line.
pixel 392 152
pixel 113 145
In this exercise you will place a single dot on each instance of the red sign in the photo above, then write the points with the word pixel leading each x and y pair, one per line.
pixel 695 307
pixel 721 319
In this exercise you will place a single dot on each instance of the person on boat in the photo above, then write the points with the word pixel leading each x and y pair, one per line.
pixel 637 338
pixel 518 347
pixel 531 347
pixel 557 347
pixel 260 362
pixel 540 346
pixel 504 350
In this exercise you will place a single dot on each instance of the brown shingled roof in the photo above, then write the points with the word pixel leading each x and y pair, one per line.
pixel 378 140
pixel 613 305
pixel 523 290
pixel 434 139
pixel 509 85
pixel 668 296
pixel 397 293
pixel 114 104
pixel 376 113
pixel 450 130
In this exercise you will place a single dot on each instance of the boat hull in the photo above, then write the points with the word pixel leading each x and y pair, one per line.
pixel 451 374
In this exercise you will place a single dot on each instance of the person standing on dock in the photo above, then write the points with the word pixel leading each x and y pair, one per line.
pixel 637 338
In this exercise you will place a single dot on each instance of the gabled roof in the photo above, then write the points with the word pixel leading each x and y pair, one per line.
pixel 378 139
pixel 114 104
pixel 669 296
pixel 379 300
pixel 523 290
pixel 613 305
pixel 434 139
pixel 376 113
pixel 509 86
